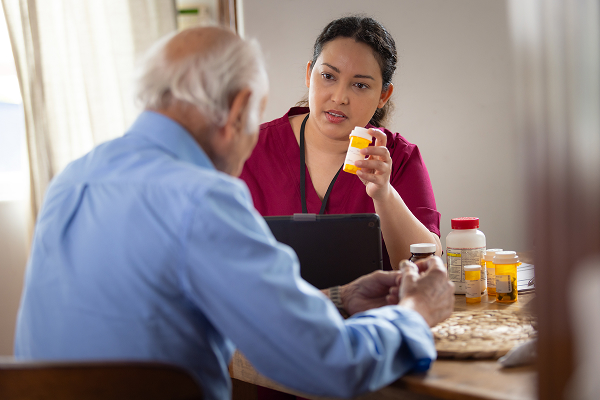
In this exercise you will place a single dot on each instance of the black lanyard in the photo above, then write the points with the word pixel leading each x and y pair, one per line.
pixel 303 175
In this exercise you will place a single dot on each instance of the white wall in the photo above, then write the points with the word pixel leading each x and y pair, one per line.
pixel 454 94
pixel 13 257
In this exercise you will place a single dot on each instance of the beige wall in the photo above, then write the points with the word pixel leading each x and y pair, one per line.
pixel 454 94
pixel 13 257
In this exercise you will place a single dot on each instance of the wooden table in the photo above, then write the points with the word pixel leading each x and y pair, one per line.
pixel 446 379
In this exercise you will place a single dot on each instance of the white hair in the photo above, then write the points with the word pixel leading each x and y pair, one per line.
pixel 208 80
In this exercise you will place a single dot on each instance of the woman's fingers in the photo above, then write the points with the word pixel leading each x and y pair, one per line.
pixel 380 137
pixel 373 165
pixel 379 159
pixel 369 177
pixel 376 169
pixel 378 151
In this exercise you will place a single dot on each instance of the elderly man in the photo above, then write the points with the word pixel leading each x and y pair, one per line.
pixel 149 248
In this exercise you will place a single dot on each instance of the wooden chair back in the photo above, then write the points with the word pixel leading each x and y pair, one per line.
pixel 113 380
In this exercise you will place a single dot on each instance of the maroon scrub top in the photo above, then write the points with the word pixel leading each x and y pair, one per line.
pixel 272 174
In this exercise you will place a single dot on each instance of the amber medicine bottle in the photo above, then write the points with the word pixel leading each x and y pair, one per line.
pixel 473 281
pixel 490 267
pixel 359 139
pixel 506 276
pixel 465 245
pixel 420 251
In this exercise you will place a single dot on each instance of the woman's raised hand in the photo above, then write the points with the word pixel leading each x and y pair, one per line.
pixel 375 171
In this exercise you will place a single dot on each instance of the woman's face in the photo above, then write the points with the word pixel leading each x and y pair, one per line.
pixel 344 87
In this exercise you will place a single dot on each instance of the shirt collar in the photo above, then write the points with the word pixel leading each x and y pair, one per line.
pixel 168 134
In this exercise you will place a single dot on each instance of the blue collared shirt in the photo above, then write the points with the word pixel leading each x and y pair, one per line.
pixel 144 251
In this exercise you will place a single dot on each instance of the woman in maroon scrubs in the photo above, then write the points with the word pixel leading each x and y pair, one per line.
pixel 349 82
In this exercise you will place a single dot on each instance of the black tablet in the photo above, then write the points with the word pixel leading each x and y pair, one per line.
pixel 333 249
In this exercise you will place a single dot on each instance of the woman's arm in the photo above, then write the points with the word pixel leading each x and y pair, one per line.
pixel 399 226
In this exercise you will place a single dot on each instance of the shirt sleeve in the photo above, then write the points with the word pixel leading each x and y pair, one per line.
pixel 411 180
pixel 249 287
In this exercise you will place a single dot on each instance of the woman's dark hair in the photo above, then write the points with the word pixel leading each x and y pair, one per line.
pixel 370 32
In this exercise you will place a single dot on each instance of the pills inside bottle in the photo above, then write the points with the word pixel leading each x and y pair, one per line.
pixel 472 280
pixel 488 259
pixel 420 251
pixel 506 276
pixel 359 139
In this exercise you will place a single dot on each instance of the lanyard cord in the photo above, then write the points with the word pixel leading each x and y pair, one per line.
pixel 303 175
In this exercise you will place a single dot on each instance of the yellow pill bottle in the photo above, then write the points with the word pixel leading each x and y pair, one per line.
pixel 472 281
pixel 359 139
pixel 506 276
pixel 488 260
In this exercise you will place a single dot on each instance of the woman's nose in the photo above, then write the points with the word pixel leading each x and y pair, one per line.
pixel 340 95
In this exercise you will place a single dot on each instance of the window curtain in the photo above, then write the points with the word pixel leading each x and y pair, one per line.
pixel 75 61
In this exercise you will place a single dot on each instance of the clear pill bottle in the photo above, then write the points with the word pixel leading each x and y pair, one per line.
pixel 473 283
pixel 490 267
pixel 420 251
pixel 506 276
pixel 359 139
pixel 465 245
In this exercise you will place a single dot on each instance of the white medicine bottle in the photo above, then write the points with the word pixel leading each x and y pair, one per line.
pixel 465 245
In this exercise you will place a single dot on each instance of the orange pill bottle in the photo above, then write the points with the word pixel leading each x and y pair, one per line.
pixel 359 139
pixel 473 283
pixel 488 259
pixel 506 276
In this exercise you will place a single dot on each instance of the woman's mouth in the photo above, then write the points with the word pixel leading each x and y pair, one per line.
pixel 335 117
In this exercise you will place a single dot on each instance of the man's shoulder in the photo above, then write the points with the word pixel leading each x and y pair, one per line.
pixel 133 165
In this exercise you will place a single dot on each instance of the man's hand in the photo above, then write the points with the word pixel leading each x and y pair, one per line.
pixel 430 293
pixel 370 291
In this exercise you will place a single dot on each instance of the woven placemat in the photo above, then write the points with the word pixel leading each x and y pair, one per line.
pixel 482 334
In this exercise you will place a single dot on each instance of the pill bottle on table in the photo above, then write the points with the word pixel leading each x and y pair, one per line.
pixel 359 139
pixel 420 251
pixel 465 245
pixel 506 276
pixel 473 281
pixel 488 260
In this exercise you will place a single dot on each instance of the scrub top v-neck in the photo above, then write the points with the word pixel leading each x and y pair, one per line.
pixel 303 171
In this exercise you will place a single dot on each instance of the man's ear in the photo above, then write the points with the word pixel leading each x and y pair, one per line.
pixel 308 72
pixel 240 109
pixel 238 113
pixel 385 95
pixel 235 123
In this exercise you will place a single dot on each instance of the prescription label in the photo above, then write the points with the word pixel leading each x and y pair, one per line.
pixel 491 275
pixel 456 260
pixel 503 284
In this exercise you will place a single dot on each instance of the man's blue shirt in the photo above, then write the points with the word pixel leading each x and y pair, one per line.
pixel 144 251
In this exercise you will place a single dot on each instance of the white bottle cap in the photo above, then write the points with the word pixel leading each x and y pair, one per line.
pixel 423 248
pixel 361 132
pixel 471 268
pixel 506 257
pixel 489 254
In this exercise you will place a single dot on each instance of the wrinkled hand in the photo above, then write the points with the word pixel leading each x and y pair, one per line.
pixel 430 293
pixel 375 171
pixel 370 291
pixel 422 265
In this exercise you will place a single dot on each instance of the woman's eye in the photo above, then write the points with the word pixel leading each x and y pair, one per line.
pixel 326 75
pixel 361 86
